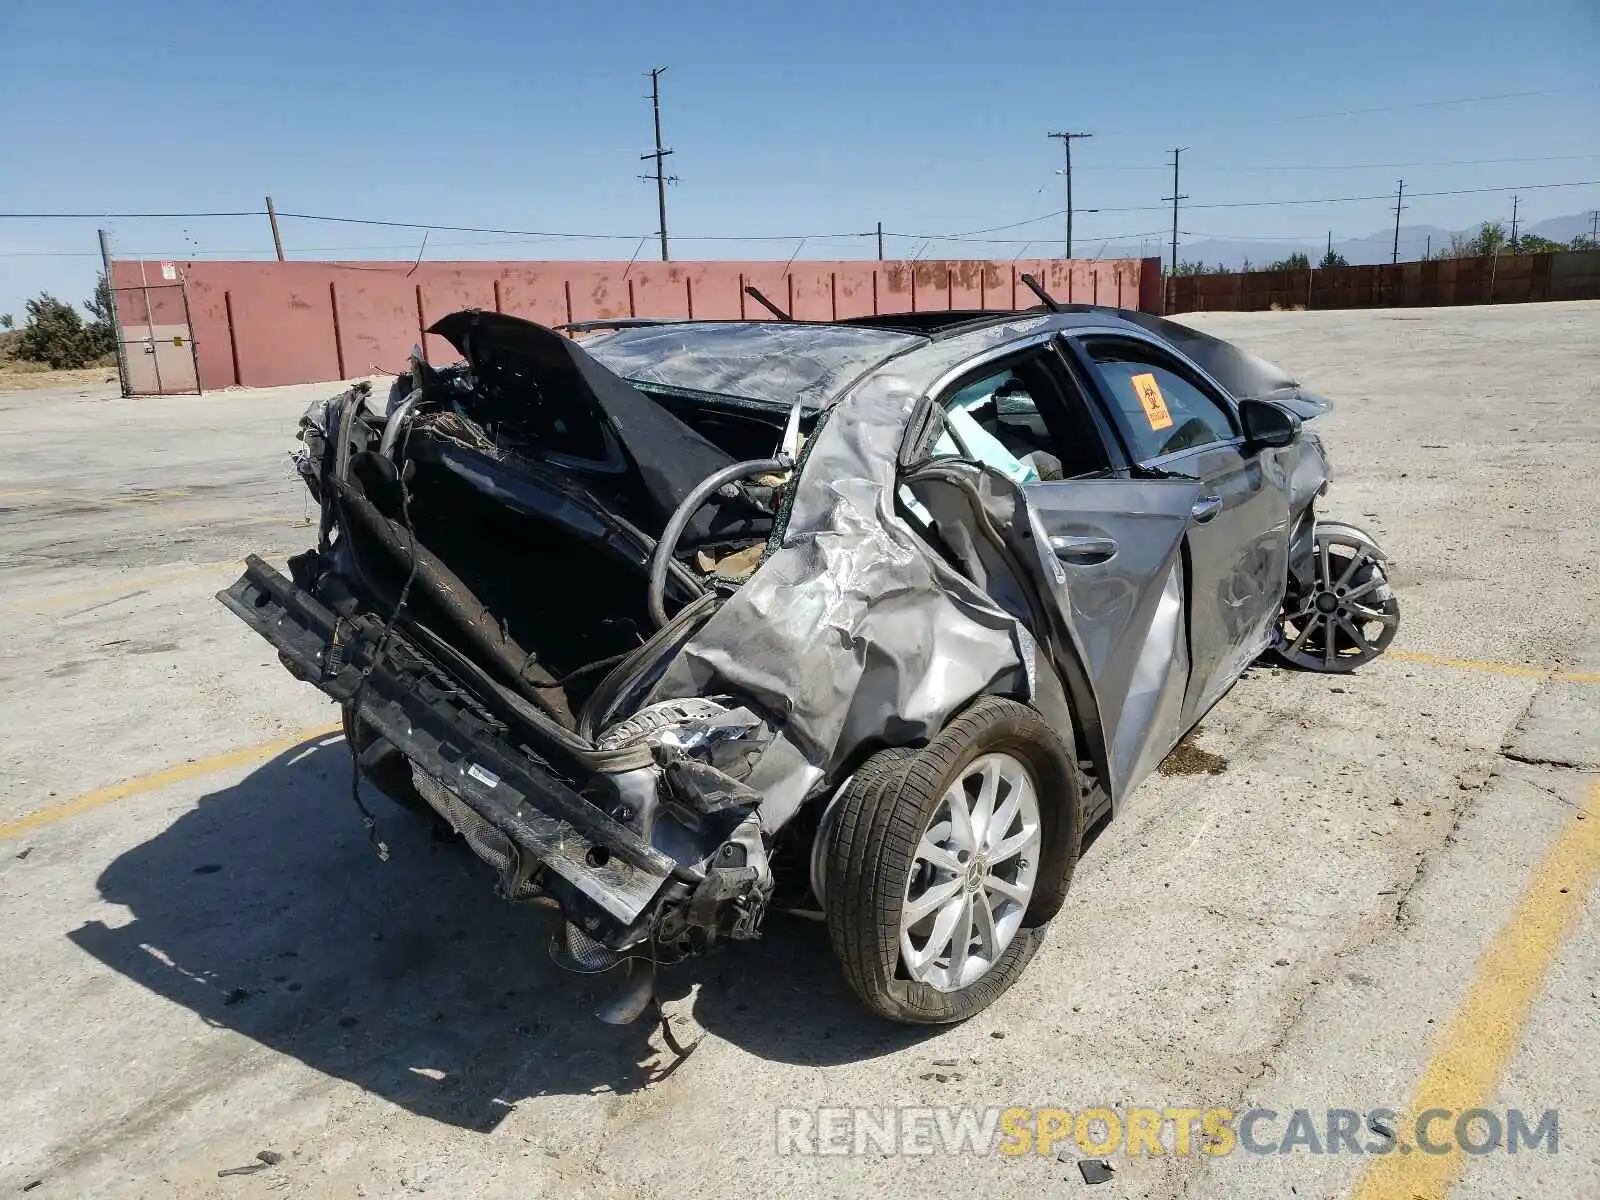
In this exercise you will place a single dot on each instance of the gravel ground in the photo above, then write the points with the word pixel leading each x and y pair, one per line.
pixel 211 962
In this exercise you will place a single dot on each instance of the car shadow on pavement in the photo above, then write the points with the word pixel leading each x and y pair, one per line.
pixel 265 911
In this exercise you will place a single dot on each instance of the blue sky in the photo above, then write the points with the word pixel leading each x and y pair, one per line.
pixel 788 119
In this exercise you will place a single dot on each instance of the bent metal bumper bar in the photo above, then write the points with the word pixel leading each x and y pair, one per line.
pixel 455 739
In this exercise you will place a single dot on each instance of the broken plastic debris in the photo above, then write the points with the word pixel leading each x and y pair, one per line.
pixel 1095 1170
pixel 264 1159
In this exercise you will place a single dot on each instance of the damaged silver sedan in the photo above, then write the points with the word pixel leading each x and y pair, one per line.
pixel 678 623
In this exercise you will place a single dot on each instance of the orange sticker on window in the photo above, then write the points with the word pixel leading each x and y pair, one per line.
pixel 1152 401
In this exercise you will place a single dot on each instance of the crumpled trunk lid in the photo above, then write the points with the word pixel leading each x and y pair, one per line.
pixel 546 392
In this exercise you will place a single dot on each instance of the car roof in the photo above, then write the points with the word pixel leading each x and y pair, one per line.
pixel 815 362
pixel 777 362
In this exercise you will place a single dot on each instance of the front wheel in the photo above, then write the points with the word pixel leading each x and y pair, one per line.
pixel 1347 614
pixel 944 864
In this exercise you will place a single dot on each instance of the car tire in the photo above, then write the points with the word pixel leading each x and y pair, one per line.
pixel 883 816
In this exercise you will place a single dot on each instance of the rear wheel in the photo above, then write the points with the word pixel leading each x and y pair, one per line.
pixel 944 864
pixel 1348 614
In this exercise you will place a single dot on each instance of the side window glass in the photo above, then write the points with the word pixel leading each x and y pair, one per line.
pixel 1161 411
pixel 996 420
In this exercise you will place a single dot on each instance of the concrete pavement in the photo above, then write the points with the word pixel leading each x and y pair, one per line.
pixel 204 959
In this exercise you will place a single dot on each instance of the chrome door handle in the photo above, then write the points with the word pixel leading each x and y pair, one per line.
pixel 1205 508
pixel 1083 550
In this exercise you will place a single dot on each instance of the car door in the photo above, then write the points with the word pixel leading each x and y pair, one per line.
pixel 1111 551
pixel 1105 548
pixel 1176 422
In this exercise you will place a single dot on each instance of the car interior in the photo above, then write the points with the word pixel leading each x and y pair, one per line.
pixel 1024 418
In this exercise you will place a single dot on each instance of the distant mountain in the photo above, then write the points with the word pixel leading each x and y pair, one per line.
pixel 1415 241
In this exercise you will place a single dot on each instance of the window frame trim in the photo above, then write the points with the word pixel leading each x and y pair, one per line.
pixel 1076 340
pixel 927 420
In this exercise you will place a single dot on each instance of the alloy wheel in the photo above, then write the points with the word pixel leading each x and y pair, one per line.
pixel 972 875
pixel 1347 616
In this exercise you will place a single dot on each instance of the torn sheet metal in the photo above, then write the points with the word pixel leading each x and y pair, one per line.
pixel 1121 617
pixel 852 632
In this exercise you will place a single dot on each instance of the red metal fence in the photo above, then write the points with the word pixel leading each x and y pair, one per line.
pixel 263 323
pixel 1568 275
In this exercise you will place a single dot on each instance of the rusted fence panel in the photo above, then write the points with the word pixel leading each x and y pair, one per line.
pixel 260 324
pixel 1509 278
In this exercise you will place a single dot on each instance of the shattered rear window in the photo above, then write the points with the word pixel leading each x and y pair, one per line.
pixel 770 362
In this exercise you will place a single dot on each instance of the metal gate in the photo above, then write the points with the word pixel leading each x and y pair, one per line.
pixel 156 352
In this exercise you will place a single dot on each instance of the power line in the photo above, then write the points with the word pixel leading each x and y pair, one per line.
pixel 964 235
pixel 1477 191
pixel 125 216
pixel 576 236
pixel 557 234
pixel 1357 112
pixel 1388 166
pixel 988 241
pixel 544 233
pixel 1290 203
pixel 189 252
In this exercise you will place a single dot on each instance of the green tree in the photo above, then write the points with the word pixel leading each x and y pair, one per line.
pixel 1583 242
pixel 1332 259
pixel 1532 243
pixel 1295 262
pixel 1198 267
pixel 1488 241
pixel 102 331
pixel 54 334
pixel 7 321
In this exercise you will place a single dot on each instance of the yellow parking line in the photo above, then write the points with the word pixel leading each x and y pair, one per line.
pixel 1494 668
pixel 149 783
pixel 1472 1051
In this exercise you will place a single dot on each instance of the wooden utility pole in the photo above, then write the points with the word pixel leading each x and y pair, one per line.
pixel 116 321
pixel 660 155
pixel 1066 144
pixel 277 239
pixel 880 241
pixel 1399 196
pixel 1514 199
pixel 1175 197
